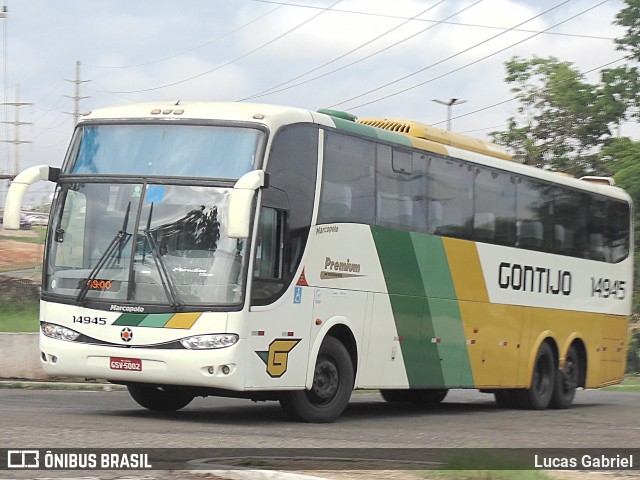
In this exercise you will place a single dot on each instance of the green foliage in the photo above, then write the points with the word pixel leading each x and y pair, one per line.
pixel 19 316
pixel 620 159
pixel 561 118
pixel 629 17
pixel 633 353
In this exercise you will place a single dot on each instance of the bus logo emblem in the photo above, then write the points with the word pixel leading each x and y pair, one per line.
pixel 277 358
pixel 126 334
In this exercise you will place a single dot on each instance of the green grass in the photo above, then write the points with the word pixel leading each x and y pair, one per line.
pixel 628 384
pixel 28 237
pixel 36 240
pixel 468 466
pixel 18 316
pixel 487 475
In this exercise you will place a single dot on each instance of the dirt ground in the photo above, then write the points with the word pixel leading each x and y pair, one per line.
pixel 18 255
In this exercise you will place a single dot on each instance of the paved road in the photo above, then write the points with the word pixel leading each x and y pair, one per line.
pixel 111 419
pixel 46 419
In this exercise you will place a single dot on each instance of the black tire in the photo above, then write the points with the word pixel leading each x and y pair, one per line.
pixel 428 396
pixel 566 381
pixel 538 396
pixel 506 398
pixel 395 396
pixel 333 381
pixel 422 396
pixel 160 399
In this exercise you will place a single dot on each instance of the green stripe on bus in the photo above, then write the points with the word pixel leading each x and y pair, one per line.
pixel 410 308
pixel 448 332
pixel 129 319
pixel 156 320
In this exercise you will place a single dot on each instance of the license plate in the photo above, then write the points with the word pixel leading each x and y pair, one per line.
pixel 119 363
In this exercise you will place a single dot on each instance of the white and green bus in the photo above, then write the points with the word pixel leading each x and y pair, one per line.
pixel 275 253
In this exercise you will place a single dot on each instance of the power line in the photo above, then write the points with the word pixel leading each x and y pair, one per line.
pixel 404 77
pixel 202 45
pixel 330 72
pixel 463 66
pixel 273 40
pixel 515 98
pixel 272 89
pixel 459 24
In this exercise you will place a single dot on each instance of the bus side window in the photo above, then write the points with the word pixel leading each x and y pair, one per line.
pixel 618 230
pixel 336 201
pixel 268 267
pixel 451 185
pixel 348 182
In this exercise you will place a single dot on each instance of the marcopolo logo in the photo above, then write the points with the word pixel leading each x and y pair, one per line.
pixel 126 308
pixel 126 334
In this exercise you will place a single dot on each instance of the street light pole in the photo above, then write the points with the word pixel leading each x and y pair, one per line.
pixel 449 104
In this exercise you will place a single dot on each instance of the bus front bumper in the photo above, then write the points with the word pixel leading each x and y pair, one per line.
pixel 214 368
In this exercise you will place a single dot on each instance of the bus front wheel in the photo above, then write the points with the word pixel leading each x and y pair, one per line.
pixel 330 392
pixel 543 381
pixel 160 399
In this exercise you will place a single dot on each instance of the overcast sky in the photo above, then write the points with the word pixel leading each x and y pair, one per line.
pixel 374 58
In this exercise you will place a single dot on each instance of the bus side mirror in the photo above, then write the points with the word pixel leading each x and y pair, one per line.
pixel 18 188
pixel 240 202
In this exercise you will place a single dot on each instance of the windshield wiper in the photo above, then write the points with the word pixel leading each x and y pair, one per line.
pixel 166 280
pixel 119 241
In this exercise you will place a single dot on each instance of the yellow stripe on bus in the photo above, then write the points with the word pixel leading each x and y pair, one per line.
pixel 466 271
pixel 183 320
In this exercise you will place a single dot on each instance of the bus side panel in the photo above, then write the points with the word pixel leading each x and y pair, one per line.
pixel 425 309
pixel 383 364
pixel 279 339
pixel 505 325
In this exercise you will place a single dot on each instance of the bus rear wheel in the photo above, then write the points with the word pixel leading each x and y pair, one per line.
pixel 330 392
pixel 538 396
pixel 160 399
pixel 425 396
pixel 566 381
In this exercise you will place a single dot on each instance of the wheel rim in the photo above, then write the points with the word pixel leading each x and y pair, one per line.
pixel 326 381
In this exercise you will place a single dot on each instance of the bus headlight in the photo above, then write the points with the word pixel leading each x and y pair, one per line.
pixel 204 342
pixel 59 333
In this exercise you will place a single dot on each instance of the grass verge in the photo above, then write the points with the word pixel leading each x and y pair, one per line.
pixel 468 466
pixel 18 316
pixel 628 384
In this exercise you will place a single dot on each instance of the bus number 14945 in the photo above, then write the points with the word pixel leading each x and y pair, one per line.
pixel 606 288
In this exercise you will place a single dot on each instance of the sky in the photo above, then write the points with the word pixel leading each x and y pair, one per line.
pixel 373 58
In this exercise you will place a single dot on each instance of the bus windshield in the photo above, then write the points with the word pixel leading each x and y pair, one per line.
pixel 148 243
pixel 165 150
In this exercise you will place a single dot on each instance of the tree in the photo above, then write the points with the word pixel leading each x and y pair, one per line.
pixel 629 17
pixel 562 120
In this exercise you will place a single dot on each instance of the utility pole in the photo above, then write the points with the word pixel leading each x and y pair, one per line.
pixel 449 104
pixel 76 97
pixel 16 123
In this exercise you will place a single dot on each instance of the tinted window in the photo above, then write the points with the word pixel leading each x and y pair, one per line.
pixel 451 198
pixel 618 231
pixel 348 186
pixel 494 207
pixel 287 207
pixel 401 189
